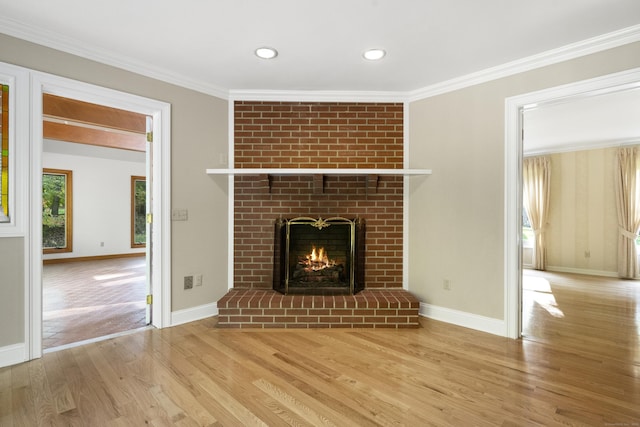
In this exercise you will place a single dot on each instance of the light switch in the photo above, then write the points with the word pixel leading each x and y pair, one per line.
pixel 179 215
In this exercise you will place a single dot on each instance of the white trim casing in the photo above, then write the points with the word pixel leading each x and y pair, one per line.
pixel 232 196
pixel 161 225
pixel 405 198
pixel 514 106
pixel 33 260
pixel 513 233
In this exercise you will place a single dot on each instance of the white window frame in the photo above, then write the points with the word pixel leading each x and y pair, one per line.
pixel 17 79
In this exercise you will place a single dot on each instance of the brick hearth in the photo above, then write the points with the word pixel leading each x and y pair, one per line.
pixel 259 308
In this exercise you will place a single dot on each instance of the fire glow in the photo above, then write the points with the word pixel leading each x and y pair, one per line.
pixel 317 260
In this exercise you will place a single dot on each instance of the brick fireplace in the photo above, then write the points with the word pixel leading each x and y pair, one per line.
pixel 303 135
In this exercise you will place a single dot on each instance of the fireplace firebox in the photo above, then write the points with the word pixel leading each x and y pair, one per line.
pixel 315 256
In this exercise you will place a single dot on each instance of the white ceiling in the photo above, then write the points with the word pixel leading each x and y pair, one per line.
pixel 582 123
pixel 209 44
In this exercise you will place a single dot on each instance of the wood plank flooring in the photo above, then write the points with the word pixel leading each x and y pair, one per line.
pixel 83 300
pixel 592 314
pixel 443 375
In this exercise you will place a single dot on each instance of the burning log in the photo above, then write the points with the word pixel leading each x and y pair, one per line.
pixel 316 267
pixel 329 274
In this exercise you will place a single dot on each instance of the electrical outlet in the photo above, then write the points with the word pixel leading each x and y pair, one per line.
pixel 198 279
pixel 188 282
pixel 446 284
pixel 587 254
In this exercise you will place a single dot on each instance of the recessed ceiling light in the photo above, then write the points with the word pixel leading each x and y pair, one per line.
pixel 266 52
pixel 374 54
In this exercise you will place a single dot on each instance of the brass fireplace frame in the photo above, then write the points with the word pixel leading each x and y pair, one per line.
pixel 356 244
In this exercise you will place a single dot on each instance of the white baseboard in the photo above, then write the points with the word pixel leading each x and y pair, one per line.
pixel 196 313
pixel 12 354
pixel 584 271
pixel 464 319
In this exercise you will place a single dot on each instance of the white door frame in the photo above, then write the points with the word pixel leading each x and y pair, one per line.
pixel 514 107
pixel 161 193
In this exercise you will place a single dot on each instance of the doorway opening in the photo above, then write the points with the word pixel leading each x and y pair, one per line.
pixel 514 110
pixel 99 286
pixel 151 262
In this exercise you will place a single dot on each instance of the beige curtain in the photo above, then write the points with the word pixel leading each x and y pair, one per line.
pixel 536 173
pixel 627 199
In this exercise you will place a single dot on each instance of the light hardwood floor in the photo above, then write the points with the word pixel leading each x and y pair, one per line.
pixel 439 374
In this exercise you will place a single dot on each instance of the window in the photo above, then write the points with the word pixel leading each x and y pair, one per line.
pixel 527 231
pixel 57 211
pixel 4 153
pixel 138 211
pixel 14 150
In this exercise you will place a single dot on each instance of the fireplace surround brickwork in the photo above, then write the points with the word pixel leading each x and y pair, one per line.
pixel 317 135
pixel 327 135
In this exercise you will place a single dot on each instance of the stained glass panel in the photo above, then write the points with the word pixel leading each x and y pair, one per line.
pixel 4 150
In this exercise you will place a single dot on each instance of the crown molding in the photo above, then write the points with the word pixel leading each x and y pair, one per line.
pixel 550 57
pixel 316 96
pixel 76 47
pixel 582 146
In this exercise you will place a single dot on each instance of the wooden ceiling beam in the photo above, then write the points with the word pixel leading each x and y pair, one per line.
pixel 94 136
pixel 93 114
pixel 71 120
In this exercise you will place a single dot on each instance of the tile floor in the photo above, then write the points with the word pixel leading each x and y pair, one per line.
pixel 90 299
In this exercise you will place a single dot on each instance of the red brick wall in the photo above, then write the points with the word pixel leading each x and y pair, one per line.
pixel 317 135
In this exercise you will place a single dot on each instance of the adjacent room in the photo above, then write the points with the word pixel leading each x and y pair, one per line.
pixel 573 275
pixel 93 222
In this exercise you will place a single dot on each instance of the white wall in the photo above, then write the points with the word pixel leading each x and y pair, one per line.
pixel 101 196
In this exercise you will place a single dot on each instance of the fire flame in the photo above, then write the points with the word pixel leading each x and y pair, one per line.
pixel 318 259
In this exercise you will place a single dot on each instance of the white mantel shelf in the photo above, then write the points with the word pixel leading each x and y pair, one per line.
pixel 303 171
